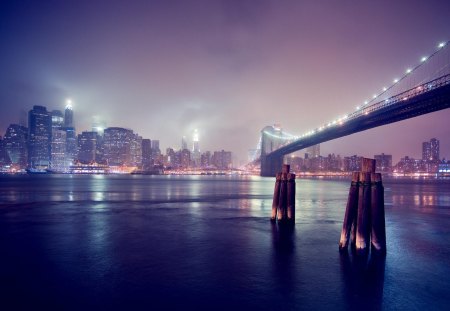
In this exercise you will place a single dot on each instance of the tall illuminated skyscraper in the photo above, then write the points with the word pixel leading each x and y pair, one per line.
pixel 196 155
pixel 68 114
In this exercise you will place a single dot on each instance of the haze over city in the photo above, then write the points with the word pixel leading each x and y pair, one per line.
pixel 227 68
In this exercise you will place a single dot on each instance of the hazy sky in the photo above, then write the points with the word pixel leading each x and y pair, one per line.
pixel 228 68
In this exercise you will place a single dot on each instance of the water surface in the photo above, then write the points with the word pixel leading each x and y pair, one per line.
pixel 206 242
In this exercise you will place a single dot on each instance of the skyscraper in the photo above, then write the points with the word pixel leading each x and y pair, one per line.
pixel 183 143
pixel 430 150
pixel 68 114
pixel 146 154
pixel 434 148
pixel 59 161
pixel 15 144
pixel 196 155
pixel 313 151
pixel 136 150
pixel 39 137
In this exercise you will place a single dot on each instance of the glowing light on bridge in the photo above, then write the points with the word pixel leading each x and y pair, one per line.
pixel 371 105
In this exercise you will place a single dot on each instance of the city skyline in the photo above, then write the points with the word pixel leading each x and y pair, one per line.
pixel 225 68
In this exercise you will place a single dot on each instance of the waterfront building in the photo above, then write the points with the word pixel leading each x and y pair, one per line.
pixel 430 150
pixel 59 161
pixel 15 146
pixel 205 159
pixel 71 145
pixel 352 163
pixel 39 137
pixel 383 163
pixel 156 152
pixel 222 159
pixel 146 154
pixel 117 146
pixel 87 147
pixel 169 160
pixel 312 152
pixel 434 149
pixel 136 150
pixel 185 158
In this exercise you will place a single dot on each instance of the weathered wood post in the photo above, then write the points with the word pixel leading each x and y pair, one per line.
pixel 291 197
pixel 363 222
pixel 363 219
pixel 282 205
pixel 351 212
pixel 276 197
pixel 378 233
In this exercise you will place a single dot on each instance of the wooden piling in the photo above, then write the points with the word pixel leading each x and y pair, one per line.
pixel 378 232
pixel 368 165
pixel 282 205
pixel 276 197
pixel 291 197
pixel 363 218
pixel 285 168
pixel 351 212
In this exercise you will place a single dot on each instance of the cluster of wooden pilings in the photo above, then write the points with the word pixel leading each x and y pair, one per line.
pixel 283 205
pixel 364 222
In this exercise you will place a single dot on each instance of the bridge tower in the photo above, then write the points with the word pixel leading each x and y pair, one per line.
pixel 271 139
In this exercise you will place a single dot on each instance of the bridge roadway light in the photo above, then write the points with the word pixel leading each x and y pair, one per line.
pixel 408 70
pixel 395 80
pixel 423 59
pixel 441 45
pixel 384 89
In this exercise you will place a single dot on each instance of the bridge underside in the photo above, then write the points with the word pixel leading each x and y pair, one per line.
pixel 419 105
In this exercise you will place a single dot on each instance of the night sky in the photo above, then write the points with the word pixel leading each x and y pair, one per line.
pixel 227 68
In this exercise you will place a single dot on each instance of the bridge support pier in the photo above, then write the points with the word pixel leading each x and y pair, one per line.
pixel 271 165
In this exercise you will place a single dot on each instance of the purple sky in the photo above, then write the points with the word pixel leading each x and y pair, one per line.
pixel 228 68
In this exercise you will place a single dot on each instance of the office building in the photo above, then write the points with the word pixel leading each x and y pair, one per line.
pixel 383 163
pixel 117 146
pixel 39 137
pixel 87 147
pixel 15 145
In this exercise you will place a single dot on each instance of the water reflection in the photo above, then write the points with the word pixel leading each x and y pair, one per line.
pixel 363 280
pixel 284 270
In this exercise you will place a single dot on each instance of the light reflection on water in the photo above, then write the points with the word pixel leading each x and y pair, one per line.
pixel 206 242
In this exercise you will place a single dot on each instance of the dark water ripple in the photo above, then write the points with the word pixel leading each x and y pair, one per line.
pixel 205 243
